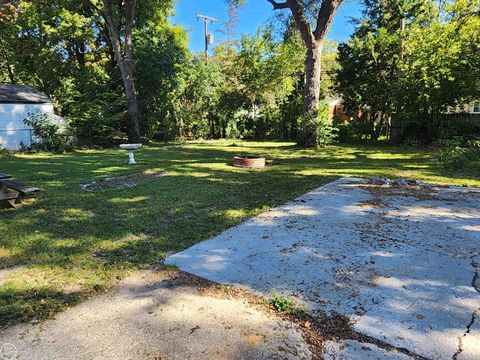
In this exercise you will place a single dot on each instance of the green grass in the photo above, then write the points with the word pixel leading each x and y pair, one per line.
pixel 74 244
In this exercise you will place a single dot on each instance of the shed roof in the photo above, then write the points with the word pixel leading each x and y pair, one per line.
pixel 22 94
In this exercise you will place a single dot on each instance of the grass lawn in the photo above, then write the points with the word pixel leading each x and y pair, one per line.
pixel 72 244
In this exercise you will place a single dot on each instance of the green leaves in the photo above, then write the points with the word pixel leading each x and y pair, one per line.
pixel 408 60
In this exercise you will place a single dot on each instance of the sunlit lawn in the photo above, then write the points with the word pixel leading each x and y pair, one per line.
pixel 73 244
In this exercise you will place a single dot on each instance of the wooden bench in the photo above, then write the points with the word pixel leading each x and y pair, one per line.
pixel 12 192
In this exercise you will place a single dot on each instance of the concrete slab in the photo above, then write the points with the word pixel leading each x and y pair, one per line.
pixel 354 350
pixel 398 260
pixel 470 346
pixel 156 316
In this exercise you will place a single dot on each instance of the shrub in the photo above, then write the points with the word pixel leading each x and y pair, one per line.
pixel 346 132
pixel 327 133
pixel 317 125
pixel 49 134
pixel 456 153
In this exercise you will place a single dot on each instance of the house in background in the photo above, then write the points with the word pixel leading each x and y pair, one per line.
pixel 16 103
pixel 469 108
pixel 336 110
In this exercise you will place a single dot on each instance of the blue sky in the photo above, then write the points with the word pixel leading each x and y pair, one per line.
pixel 251 16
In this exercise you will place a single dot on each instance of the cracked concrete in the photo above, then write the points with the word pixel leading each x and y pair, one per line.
pixel 468 344
pixel 354 350
pixel 396 260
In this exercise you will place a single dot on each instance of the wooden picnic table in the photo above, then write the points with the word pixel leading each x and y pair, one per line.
pixel 3 188
pixel 12 192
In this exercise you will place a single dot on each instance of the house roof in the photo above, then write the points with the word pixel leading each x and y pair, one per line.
pixel 22 94
pixel 332 101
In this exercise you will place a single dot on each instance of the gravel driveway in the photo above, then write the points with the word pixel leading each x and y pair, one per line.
pixel 402 262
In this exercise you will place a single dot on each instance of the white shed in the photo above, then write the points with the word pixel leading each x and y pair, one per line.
pixel 16 102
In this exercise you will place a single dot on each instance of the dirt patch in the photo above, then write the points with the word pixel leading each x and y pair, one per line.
pixel 122 182
pixel 163 315
pixel 316 328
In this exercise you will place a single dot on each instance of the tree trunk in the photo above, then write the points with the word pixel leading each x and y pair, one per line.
pixel 308 136
pixel 211 122
pixel 313 67
pixel 79 52
pixel 131 94
pixel 11 75
pixel 125 62
pixel 313 39
pixel 372 117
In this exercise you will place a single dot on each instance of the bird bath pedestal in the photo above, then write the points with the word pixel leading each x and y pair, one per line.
pixel 131 148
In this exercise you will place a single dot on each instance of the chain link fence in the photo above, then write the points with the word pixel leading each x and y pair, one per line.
pixel 16 138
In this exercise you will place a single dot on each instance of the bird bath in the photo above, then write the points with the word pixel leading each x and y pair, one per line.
pixel 131 148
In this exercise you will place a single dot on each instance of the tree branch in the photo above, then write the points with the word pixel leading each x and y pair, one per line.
pixel 277 6
pixel 129 18
pixel 325 18
pixel 112 29
pixel 299 16
pixel 302 22
pixel 92 5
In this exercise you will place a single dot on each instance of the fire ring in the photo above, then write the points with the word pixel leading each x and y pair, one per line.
pixel 250 162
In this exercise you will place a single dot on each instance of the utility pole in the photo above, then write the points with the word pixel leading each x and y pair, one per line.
pixel 208 37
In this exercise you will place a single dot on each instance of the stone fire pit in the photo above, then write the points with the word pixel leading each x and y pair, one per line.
pixel 251 162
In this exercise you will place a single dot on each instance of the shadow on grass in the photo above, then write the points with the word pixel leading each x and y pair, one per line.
pixel 34 303
pixel 105 234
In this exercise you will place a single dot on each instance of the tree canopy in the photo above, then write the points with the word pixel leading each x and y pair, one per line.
pixel 409 60
pixel 406 61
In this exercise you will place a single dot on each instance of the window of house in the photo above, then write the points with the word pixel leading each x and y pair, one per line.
pixel 476 107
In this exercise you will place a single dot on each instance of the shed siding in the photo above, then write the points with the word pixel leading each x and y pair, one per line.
pixel 13 132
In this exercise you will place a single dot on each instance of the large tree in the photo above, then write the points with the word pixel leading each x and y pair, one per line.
pixel 313 19
pixel 122 45
pixel 121 17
